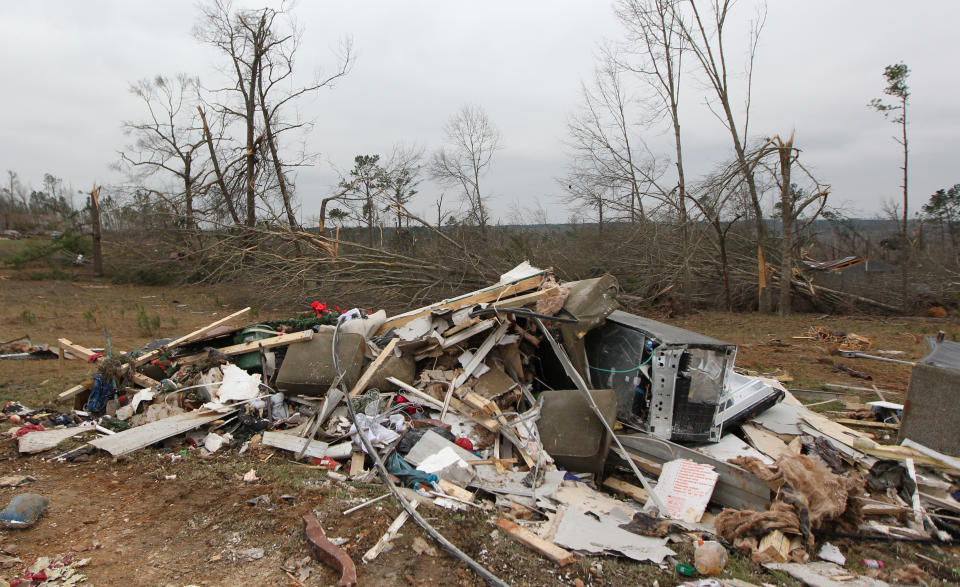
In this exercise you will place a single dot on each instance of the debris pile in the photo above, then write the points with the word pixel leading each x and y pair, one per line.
pixel 520 399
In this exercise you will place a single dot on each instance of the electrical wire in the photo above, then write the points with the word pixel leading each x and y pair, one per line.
pixel 479 569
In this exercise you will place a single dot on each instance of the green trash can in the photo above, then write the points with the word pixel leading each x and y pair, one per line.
pixel 251 361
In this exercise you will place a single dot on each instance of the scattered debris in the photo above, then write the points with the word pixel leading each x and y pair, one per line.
pixel 462 403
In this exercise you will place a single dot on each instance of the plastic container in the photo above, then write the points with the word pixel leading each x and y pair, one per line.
pixel 710 557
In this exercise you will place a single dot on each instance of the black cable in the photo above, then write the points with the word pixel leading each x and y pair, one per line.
pixel 479 569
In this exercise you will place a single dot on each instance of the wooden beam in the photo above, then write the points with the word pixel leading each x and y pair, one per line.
pixel 637 494
pixel 389 535
pixel 867 423
pixel 766 442
pixel 520 301
pixel 460 407
pixel 455 490
pixel 776 545
pixel 466 333
pixel 367 376
pixel 254 345
pixel 75 390
pixel 527 538
pixel 489 294
pixel 151 355
pixel 85 354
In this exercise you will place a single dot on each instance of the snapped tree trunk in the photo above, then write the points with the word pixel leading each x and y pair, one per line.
pixel 95 223
pixel 786 219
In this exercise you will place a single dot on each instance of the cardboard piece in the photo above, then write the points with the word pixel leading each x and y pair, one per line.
pixel 685 487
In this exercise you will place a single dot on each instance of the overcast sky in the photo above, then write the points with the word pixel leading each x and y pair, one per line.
pixel 67 65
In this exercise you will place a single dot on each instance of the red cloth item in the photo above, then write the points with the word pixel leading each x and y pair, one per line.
pixel 94 357
pixel 327 463
pixel 464 443
pixel 27 429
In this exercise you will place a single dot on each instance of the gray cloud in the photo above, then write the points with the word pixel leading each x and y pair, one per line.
pixel 66 67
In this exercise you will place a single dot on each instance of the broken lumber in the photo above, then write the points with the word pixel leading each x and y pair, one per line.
pixel 901 453
pixel 389 535
pixel 196 334
pixel 455 490
pixel 85 354
pixel 254 345
pixel 527 538
pixel 488 294
pixel 367 376
pixel 867 423
pixel 637 494
pixel 765 442
pixel 523 300
pixel 297 444
pixel 776 545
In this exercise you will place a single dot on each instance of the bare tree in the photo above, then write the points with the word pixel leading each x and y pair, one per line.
pixel 472 140
pixel 260 47
pixel 794 201
pixel 704 35
pixel 607 155
pixel 168 144
pixel 654 52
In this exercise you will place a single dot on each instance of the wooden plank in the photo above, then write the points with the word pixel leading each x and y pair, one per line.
pixel 776 546
pixel 367 376
pixel 481 354
pixel 356 464
pixel 645 464
pixel 489 294
pixel 151 355
pixel 75 390
pixel 867 423
pixel 389 535
pixel 637 494
pixel 467 333
pixel 527 538
pixel 460 407
pixel 133 439
pixel 254 345
pixel 901 453
pixel 767 443
pixel 918 512
pixel 520 301
pixel 455 490
pixel 296 444
pixel 882 509
pixel 736 488
pixel 85 354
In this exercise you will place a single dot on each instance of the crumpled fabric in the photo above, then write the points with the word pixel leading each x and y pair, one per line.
pixel 97 404
pixel 374 431
pixel 410 476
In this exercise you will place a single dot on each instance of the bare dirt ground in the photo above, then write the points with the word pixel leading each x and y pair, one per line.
pixel 162 518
